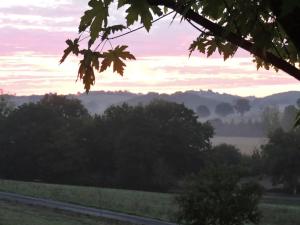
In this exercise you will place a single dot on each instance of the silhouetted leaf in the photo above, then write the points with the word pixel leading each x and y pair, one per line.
pixel 72 47
pixel 114 56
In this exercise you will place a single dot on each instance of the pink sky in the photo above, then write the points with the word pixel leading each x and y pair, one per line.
pixel 33 34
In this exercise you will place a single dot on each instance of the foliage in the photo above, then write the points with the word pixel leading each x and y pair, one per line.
pixel 281 158
pixel 224 109
pixel 5 106
pixel 270 119
pixel 242 105
pixel 216 196
pixel 139 147
pixel 203 111
pixel 288 117
pixel 224 154
pixel 260 27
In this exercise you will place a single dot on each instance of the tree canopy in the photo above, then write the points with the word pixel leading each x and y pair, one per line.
pixel 268 29
pixel 281 157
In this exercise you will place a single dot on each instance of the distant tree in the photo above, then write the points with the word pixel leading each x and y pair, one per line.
pixel 281 157
pixel 224 109
pixel 224 154
pixel 270 119
pixel 298 102
pixel 5 106
pixel 66 107
pixel 216 196
pixel 203 111
pixel 242 105
pixel 288 118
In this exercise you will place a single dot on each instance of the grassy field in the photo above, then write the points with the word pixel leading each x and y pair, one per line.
pixel 245 144
pixel 147 204
pixel 16 214
pixel 155 205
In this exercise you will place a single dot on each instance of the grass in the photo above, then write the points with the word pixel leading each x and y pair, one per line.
pixel 16 214
pixel 155 205
pixel 280 214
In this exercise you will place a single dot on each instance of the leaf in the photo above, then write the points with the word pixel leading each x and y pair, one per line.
pixel 72 47
pixel 140 9
pixel 114 56
pixel 86 69
pixel 111 30
pixel 95 18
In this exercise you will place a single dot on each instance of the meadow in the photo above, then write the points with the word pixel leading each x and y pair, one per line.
pixel 245 144
pixel 148 204
pixel 15 214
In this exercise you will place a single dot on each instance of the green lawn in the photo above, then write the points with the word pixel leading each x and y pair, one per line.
pixel 17 214
pixel 156 205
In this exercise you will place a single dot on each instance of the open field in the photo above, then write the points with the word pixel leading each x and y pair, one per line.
pixel 155 205
pixel 245 144
pixel 147 204
pixel 17 214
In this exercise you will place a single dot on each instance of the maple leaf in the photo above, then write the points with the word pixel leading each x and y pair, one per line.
pixel 86 69
pixel 115 56
pixel 111 30
pixel 140 9
pixel 72 47
pixel 95 18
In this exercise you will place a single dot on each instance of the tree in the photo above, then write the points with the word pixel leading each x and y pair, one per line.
pixel 261 27
pixel 281 157
pixel 5 106
pixel 288 118
pixel 155 145
pixel 203 111
pixel 298 102
pixel 216 196
pixel 242 105
pixel 270 119
pixel 224 154
pixel 224 109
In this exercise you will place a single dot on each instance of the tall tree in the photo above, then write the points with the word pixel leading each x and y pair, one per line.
pixel 281 156
pixel 224 109
pixel 267 29
pixel 288 117
pixel 242 105
pixel 270 119
pixel 203 111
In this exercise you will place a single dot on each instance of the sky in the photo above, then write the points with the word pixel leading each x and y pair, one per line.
pixel 32 40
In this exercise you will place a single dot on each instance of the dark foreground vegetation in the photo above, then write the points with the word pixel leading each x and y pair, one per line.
pixel 152 147
pixel 158 147
pixel 143 147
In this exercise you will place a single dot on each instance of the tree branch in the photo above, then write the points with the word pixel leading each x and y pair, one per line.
pixel 235 39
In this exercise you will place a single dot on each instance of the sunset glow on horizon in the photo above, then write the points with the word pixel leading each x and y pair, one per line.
pixel 32 41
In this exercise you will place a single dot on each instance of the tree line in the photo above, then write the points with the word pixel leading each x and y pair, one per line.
pixel 142 147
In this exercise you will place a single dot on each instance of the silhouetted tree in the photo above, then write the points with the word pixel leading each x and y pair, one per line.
pixel 270 119
pixel 281 156
pixel 242 105
pixel 224 109
pixel 288 118
pixel 216 196
pixel 203 111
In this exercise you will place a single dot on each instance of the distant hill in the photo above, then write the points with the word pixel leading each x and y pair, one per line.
pixel 98 101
